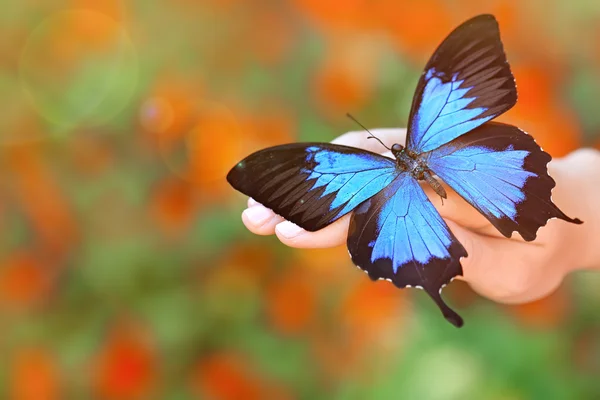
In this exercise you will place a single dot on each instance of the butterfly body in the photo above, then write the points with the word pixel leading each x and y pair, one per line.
pixel 410 162
pixel 395 232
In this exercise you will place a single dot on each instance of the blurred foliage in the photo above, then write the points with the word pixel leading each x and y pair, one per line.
pixel 125 272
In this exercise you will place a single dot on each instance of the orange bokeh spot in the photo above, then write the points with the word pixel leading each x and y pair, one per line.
pixel 416 26
pixel 24 281
pixel 172 205
pixel 230 376
pixel 112 8
pixel 555 128
pixel 340 86
pixel 327 266
pixel 540 112
pixel 371 307
pixel 270 36
pixel 125 367
pixel 333 15
pixel 368 322
pixel 274 125
pixel 34 375
pixel 214 144
pixel 548 312
pixel 71 36
pixel 535 85
pixel 41 198
pixel 291 302
pixel 254 262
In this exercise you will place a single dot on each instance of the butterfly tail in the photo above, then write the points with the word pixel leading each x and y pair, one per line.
pixel 450 315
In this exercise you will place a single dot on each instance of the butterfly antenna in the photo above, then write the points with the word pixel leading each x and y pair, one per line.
pixel 369 137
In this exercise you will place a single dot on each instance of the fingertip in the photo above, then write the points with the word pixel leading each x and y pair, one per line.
pixel 260 220
pixel 287 231
pixel 333 235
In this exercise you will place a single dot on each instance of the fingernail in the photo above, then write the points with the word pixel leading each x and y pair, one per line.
pixel 252 202
pixel 257 215
pixel 289 230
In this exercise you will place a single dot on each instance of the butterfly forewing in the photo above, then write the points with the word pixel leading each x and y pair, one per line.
pixel 312 184
pixel 466 83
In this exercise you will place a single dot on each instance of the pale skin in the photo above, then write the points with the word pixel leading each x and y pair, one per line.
pixel 504 270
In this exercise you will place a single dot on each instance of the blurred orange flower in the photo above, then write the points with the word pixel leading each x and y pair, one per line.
pixel 539 113
pixel 253 261
pixel 274 125
pixel 24 281
pixel 214 144
pixel 346 79
pixel 270 35
pixel 327 266
pixel 34 375
pixel 230 376
pixel 70 36
pixel 172 205
pixel 291 301
pixel 43 202
pixel 333 15
pixel 126 365
pixel 371 309
pixel 548 312
pixel 368 320
pixel 417 27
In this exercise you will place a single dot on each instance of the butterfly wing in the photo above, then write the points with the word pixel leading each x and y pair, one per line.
pixel 466 83
pixel 312 184
pixel 399 236
pixel 502 172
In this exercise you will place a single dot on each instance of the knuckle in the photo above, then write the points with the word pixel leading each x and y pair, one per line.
pixel 586 157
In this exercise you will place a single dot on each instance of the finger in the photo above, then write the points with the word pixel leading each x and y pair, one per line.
pixel 260 220
pixel 389 136
pixel 333 235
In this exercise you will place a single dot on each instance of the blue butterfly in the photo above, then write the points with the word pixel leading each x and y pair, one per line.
pixel 395 232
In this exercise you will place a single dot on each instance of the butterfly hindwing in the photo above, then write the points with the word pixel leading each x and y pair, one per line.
pixel 466 83
pixel 312 184
pixel 398 235
pixel 502 172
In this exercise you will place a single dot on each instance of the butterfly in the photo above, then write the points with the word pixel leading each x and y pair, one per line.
pixel 395 232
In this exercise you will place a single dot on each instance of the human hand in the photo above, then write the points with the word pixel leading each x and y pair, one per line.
pixel 507 270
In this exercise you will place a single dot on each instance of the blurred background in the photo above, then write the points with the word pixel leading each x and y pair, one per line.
pixel 125 270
